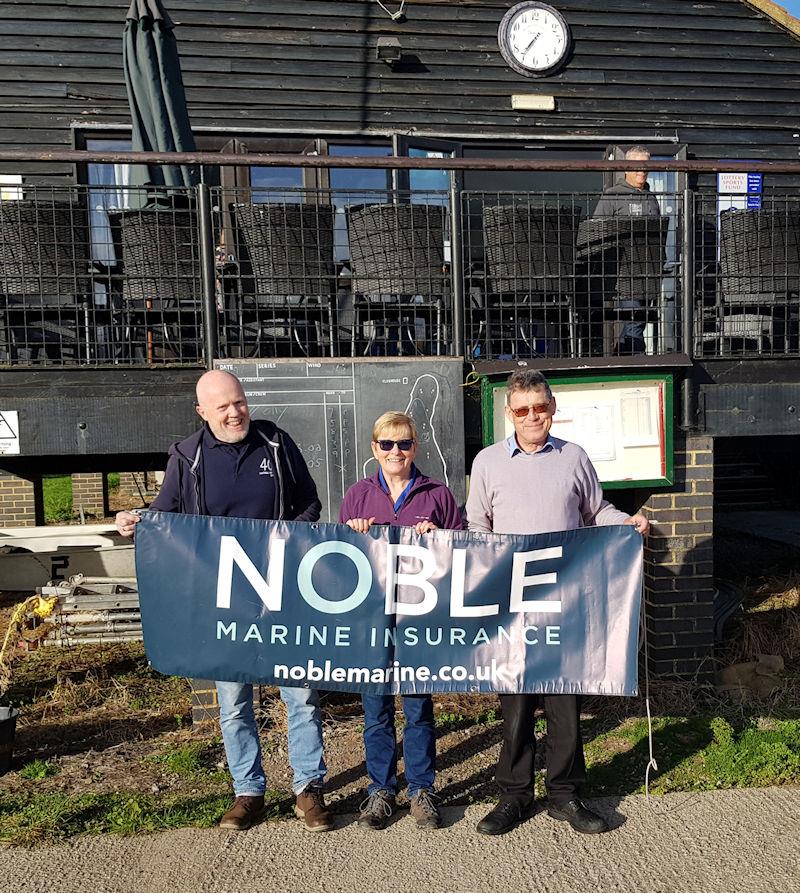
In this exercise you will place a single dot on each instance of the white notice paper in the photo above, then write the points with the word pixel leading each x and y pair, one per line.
pixel 9 432
pixel 595 428
pixel 639 418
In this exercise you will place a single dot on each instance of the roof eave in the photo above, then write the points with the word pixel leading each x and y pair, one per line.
pixel 778 15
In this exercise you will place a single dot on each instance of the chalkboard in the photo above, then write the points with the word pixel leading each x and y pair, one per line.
pixel 329 407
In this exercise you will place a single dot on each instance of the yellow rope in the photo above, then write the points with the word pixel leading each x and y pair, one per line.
pixel 41 607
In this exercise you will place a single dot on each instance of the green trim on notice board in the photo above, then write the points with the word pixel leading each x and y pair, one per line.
pixel 489 385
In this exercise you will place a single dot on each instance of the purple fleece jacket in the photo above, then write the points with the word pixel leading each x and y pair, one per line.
pixel 429 500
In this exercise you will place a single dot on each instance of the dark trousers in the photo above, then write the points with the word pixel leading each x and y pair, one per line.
pixel 566 769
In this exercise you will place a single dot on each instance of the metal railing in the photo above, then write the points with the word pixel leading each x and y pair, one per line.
pixel 558 274
pixel 95 275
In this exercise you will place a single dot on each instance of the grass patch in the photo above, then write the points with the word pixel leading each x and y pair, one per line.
pixel 451 721
pixel 45 818
pixel 760 754
pixel 68 681
pixel 31 819
pixel 190 760
pixel 37 770
pixel 57 493
pixel 701 752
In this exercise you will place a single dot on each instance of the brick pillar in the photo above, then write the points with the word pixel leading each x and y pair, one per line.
pixel 205 706
pixel 21 503
pixel 679 566
pixel 140 486
pixel 90 493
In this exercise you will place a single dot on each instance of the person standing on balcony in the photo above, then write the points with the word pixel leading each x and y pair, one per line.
pixel 237 467
pixel 535 483
pixel 399 494
pixel 630 197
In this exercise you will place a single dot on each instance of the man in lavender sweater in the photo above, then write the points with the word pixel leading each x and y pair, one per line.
pixel 535 483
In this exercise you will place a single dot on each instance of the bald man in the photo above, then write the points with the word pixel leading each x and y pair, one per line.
pixel 236 467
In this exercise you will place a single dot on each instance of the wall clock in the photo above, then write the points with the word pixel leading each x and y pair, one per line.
pixel 534 38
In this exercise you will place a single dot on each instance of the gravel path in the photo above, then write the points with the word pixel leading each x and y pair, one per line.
pixel 714 842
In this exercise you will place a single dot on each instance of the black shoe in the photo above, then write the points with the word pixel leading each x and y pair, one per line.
pixel 505 816
pixel 581 818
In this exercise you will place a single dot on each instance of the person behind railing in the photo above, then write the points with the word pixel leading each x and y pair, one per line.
pixel 533 483
pixel 236 467
pixel 399 494
pixel 630 197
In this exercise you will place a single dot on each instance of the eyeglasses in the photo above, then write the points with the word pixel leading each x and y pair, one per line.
pixel 388 445
pixel 521 412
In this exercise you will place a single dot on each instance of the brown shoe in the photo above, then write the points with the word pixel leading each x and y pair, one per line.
pixel 245 812
pixel 310 807
pixel 424 810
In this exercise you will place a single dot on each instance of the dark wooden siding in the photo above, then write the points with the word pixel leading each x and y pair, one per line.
pixel 722 77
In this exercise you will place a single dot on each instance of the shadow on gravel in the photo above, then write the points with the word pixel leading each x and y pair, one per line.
pixel 44 741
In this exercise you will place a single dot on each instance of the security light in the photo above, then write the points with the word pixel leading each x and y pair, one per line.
pixel 388 50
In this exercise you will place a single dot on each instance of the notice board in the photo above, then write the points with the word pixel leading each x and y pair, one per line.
pixel 623 421
pixel 328 406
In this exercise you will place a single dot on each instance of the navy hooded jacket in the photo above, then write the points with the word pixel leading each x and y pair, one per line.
pixel 295 494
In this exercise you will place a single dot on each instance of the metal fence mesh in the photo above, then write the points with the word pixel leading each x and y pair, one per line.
pixel 87 276
pixel 748 276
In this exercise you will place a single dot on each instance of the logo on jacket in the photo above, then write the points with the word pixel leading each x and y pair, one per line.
pixel 266 467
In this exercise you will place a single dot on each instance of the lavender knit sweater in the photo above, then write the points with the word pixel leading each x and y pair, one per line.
pixel 553 489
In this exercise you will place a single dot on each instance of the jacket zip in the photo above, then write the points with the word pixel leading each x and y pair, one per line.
pixel 276 459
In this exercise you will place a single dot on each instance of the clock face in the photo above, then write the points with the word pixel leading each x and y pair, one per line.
pixel 534 39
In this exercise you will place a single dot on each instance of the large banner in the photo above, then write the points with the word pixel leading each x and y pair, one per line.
pixel 390 612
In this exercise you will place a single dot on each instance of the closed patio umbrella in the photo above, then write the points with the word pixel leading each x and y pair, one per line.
pixel 156 94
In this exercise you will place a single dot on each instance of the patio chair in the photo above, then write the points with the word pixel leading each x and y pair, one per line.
pixel 286 277
pixel 160 282
pixel 529 302
pixel 44 280
pixel 399 282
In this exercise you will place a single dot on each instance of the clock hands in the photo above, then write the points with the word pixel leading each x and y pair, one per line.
pixel 535 38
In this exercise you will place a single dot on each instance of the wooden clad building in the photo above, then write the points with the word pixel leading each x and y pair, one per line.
pixel 719 78
pixel 688 81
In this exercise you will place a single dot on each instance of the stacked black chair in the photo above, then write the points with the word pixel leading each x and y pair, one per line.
pixel 161 286
pixel 44 281
pixel 529 304
pixel 287 277
pixel 759 266
pixel 398 278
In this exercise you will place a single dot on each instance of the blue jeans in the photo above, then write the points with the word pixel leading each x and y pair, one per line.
pixel 243 749
pixel 380 743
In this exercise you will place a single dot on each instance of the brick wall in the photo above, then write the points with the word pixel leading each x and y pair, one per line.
pixel 205 706
pixel 21 503
pixel 679 565
pixel 90 493
pixel 139 486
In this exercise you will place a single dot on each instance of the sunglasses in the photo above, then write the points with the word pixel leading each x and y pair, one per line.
pixel 521 412
pixel 388 445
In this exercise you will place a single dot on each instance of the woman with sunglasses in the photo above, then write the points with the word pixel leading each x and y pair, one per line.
pixel 399 494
